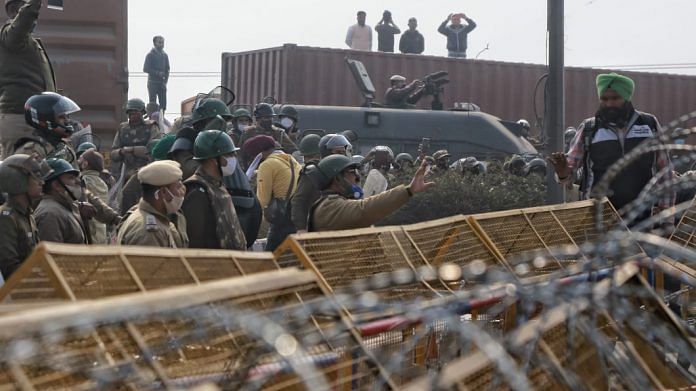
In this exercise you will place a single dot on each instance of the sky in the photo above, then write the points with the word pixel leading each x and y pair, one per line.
pixel 597 32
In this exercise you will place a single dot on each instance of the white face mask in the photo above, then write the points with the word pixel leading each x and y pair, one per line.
pixel 287 123
pixel 230 167
pixel 75 190
pixel 174 205
pixel 243 128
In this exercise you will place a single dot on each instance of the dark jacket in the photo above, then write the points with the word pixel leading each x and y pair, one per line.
pixel 385 37
pixel 59 221
pixel 305 196
pixel 156 61
pixel 18 236
pixel 412 42
pixel 456 37
pixel 25 69
pixel 211 219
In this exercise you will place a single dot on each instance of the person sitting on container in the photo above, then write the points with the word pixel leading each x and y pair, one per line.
pixel 403 96
pixel 456 34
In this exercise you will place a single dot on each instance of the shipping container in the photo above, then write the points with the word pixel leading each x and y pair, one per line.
pixel 88 47
pixel 319 76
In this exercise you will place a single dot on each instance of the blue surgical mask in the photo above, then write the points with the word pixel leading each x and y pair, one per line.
pixel 358 192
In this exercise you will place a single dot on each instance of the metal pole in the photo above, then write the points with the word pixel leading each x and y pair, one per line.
pixel 555 103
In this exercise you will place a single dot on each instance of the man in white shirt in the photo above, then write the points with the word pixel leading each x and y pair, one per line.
pixel 359 35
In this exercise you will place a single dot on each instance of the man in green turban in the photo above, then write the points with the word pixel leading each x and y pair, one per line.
pixel 614 131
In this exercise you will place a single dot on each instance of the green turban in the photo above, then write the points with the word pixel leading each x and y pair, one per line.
pixel 621 84
pixel 161 148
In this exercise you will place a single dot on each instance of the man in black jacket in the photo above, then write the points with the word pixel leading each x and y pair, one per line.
pixel 386 30
pixel 456 34
pixel 412 41
pixel 157 69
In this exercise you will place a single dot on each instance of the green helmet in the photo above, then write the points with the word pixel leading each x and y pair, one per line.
pixel 212 143
pixel 84 147
pixel 241 112
pixel 209 108
pixel 289 111
pixel 309 145
pixel 161 148
pixel 59 167
pixel 15 172
pixel 135 104
pixel 263 110
pixel 332 166
pixel 403 156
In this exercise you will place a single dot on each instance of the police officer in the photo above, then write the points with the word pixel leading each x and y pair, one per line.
pixel 21 178
pixel 91 164
pixel 403 160
pixel 401 95
pixel 57 216
pixel 381 158
pixel 311 180
pixel 337 208
pixel 25 69
pixel 157 221
pixel 48 113
pixel 131 193
pixel 82 148
pixel 288 119
pixel 264 114
pixel 129 151
pixel 442 160
pixel 240 122
pixel 210 214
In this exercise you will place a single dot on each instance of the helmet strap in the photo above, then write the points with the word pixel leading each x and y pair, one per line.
pixel 72 196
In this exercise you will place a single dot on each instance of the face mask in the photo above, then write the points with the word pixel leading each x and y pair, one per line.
pixel 287 123
pixel 75 190
pixel 174 205
pixel 243 128
pixel 351 190
pixel 230 167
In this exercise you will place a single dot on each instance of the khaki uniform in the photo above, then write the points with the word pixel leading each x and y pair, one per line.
pixel 335 212
pixel 59 221
pixel 25 70
pixel 210 215
pixel 145 226
pixel 140 135
pixel 98 188
pixel 18 236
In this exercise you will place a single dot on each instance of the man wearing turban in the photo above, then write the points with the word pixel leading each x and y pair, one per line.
pixel 614 131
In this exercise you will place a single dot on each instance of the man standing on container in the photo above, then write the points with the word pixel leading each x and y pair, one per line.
pixel 157 69
pixel 359 35
pixel 25 70
pixel 456 34
pixel 412 40
pixel 386 30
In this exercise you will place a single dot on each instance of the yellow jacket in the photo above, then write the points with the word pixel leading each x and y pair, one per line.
pixel 273 177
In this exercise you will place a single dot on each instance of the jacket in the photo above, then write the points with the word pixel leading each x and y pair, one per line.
pixel 25 69
pixel 385 37
pixel 156 61
pixel 211 220
pixel 273 177
pixel 98 188
pixel 18 236
pixel 305 196
pixel 456 37
pixel 335 212
pixel 412 42
pixel 59 221
pixel 145 226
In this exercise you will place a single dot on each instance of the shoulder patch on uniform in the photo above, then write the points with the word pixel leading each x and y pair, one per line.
pixel 150 223
pixel 7 213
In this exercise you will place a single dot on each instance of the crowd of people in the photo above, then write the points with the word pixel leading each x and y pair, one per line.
pixel 215 176
pixel 359 35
